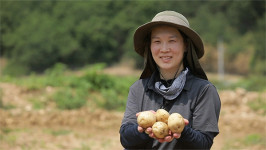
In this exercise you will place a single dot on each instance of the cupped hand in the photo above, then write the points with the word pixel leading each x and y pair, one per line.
pixel 169 137
pixel 147 130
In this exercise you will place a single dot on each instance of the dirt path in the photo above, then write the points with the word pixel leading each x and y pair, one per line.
pixel 25 128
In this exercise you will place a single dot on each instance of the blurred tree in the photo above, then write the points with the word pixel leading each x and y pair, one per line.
pixel 35 35
pixel 258 62
pixel 243 15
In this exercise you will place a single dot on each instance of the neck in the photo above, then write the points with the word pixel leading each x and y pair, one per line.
pixel 171 74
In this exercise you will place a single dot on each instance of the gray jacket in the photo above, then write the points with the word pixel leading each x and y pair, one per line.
pixel 199 102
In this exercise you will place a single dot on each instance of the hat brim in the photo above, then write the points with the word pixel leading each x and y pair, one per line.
pixel 142 32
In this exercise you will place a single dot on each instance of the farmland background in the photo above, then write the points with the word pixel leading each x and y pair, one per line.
pixel 66 68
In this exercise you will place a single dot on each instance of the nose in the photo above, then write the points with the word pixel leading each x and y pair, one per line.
pixel 165 47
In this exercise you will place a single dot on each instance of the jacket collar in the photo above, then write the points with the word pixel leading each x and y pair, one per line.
pixel 155 76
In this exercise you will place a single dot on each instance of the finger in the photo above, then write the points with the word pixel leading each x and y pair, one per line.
pixel 152 135
pixel 186 121
pixel 176 135
pixel 153 111
pixel 170 132
pixel 161 140
pixel 137 114
pixel 140 129
pixel 148 130
pixel 168 138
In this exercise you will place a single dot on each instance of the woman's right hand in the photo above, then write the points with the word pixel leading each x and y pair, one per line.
pixel 147 130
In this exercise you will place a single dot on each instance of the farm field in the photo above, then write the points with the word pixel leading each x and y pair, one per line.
pixel 242 122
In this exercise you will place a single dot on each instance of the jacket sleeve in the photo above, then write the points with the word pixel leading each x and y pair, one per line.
pixel 129 136
pixel 196 139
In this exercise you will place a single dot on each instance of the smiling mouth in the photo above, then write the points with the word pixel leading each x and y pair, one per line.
pixel 165 58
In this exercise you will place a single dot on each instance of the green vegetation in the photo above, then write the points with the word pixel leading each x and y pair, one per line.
pixel 67 98
pixel 74 91
pixel 84 146
pixel 1 98
pixel 37 103
pixel 253 83
pixel 250 83
pixel 6 107
pixel 259 104
pixel 58 132
pixel 6 130
pixel 35 35
pixel 245 142
pixel 8 135
pixel 2 105
pixel 254 139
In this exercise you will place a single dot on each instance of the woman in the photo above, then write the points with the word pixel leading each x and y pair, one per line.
pixel 172 79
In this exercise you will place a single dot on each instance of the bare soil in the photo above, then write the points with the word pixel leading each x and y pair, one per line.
pixel 90 128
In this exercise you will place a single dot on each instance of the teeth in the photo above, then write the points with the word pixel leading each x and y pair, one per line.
pixel 166 57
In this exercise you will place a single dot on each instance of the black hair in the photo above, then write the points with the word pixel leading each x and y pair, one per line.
pixel 185 39
pixel 149 62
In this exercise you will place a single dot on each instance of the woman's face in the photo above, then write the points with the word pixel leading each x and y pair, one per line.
pixel 167 48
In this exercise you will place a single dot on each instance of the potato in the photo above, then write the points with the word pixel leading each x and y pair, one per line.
pixel 146 119
pixel 176 123
pixel 162 115
pixel 160 129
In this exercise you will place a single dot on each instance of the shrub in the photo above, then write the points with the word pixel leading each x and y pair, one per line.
pixel 1 98
pixel 68 98
pixel 250 83
pixel 254 139
pixel 258 104
pixel 112 100
pixel 253 83
pixel 56 70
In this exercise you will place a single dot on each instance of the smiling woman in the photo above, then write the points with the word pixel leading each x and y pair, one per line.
pixel 172 80
pixel 167 48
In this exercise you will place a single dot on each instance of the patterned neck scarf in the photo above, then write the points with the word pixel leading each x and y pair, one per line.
pixel 171 92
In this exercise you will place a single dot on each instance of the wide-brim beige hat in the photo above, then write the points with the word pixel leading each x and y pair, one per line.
pixel 178 21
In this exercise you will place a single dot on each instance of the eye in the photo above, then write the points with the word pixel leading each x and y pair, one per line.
pixel 156 42
pixel 172 41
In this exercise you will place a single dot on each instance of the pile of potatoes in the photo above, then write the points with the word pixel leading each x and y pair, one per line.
pixel 161 122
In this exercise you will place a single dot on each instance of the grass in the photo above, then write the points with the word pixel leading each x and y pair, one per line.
pixel 37 103
pixel 69 98
pixel 2 105
pixel 6 130
pixel 249 83
pixel 83 147
pixel 254 139
pixel 9 135
pixel 73 91
pixel 60 132
pixel 246 142
pixel 259 104
pixel 1 98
